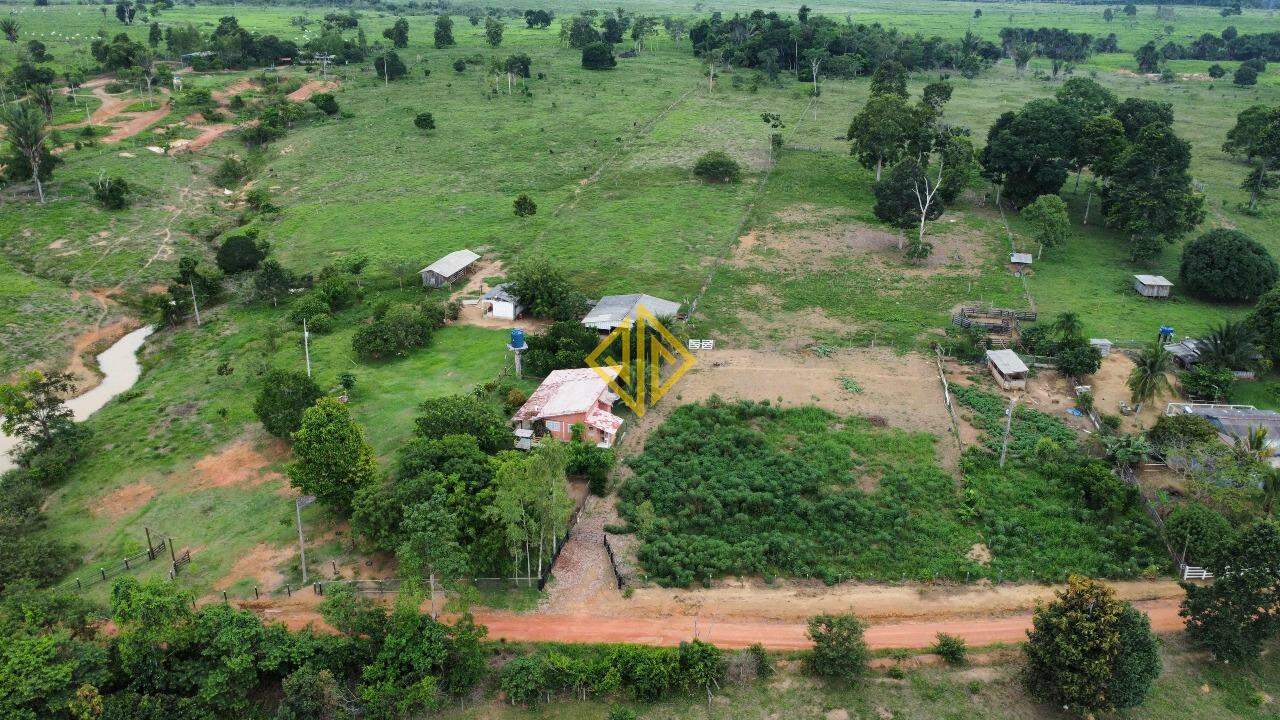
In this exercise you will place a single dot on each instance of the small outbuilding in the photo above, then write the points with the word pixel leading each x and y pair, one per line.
pixel 1103 345
pixel 1152 286
pixel 448 268
pixel 615 310
pixel 502 304
pixel 1020 261
pixel 1186 352
pixel 1008 369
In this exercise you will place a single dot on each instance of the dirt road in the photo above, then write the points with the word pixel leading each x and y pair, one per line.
pixel 776 636
pixel 301 610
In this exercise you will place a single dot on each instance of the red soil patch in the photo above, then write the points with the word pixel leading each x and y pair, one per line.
pixel 258 564
pixel 123 500
pixel 239 464
pixel 311 87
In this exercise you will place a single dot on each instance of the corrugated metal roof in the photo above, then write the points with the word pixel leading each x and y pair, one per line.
pixel 566 392
pixel 1020 258
pixel 614 310
pixel 450 264
pixel 1007 361
pixel 500 293
pixel 1154 280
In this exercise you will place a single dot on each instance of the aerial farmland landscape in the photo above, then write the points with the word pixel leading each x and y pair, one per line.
pixel 605 361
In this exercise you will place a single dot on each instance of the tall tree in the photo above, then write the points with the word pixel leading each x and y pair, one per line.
pixel 881 131
pixel 32 408
pixel 333 459
pixel 1149 196
pixel 398 33
pixel 1029 152
pixel 1236 615
pixel 1149 376
pixel 1089 652
pixel 493 31
pixel 26 129
pixel 444 32
pixel 1048 216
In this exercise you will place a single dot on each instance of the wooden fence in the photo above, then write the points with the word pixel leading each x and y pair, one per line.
pixel 128 563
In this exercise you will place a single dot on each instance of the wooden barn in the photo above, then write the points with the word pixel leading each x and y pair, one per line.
pixel 448 268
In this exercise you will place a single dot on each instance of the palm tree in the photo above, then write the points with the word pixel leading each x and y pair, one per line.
pixel 1270 490
pixel 1231 345
pixel 42 95
pixel 26 130
pixel 1149 376
pixel 1254 444
pixel 10 28
pixel 1068 326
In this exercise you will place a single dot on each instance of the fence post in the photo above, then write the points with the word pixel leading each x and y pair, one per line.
pixel 224 597
pixel 126 564
pixel 151 551
pixel 287 590
pixel 256 596
pixel 104 573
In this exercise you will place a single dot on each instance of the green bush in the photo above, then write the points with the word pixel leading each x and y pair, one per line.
pixel 717 167
pixel 1197 531
pixel 839 650
pixel 284 396
pixel 598 56
pixel 951 649
pixel 1225 265
pixel 402 328
pixel 326 102
pixel 241 252
pixel 424 121
pixel 111 193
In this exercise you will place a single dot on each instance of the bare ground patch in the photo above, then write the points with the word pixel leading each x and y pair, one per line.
pixel 956 247
pixel 123 500
pixel 902 389
pixel 243 463
pixel 259 564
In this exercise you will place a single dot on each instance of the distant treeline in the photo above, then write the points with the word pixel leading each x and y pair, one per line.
pixel 1233 47
pixel 768 40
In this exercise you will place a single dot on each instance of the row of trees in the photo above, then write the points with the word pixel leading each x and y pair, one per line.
pixel 769 42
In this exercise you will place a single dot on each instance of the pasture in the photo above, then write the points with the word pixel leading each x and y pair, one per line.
pixel 606 157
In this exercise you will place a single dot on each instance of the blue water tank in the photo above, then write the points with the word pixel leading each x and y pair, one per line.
pixel 517 338
pixel 1166 331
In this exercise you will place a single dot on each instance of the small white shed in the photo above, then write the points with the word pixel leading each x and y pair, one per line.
pixel 502 304
pixel 448 268
pixel 1008 369
pixel 1152 286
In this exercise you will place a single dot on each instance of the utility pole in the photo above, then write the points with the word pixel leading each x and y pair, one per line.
pixel 195 304
pixel 306 345
pixel 1008 421
pixel 298 504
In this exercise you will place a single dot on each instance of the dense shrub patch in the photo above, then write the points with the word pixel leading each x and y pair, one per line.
pixel 748 488
pixel 1029 425
pixel 751 489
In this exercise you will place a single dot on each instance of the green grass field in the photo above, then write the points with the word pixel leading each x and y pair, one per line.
pixel 606 156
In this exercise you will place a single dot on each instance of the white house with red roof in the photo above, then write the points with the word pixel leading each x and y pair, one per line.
pixel 568 397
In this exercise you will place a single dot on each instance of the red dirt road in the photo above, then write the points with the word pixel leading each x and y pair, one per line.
pixel 776 636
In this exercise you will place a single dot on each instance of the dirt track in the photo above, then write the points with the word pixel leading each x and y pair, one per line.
pixel 776 636
pixel 300 610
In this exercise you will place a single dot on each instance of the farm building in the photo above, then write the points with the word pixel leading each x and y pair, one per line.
pixel 568 397
pixel 1020 262
pixel 502 304
pixel 1153 286
pixel 448 268
pixel 1185 352
pixel 614 310
pixel 1235 421
pixel 1008 369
